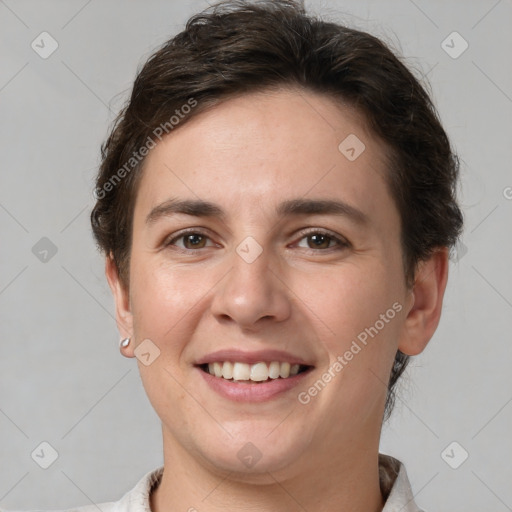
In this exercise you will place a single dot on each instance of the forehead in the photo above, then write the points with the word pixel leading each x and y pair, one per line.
pixel 256 150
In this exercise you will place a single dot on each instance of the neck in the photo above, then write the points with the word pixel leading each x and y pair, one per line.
pixel 348 480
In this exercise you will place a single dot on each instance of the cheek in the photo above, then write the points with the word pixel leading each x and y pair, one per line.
pixel 349 299
pixel 361 311
pixel 163 295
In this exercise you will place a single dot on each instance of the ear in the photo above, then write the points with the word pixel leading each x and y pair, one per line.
pixel 426 303
pixel 121 295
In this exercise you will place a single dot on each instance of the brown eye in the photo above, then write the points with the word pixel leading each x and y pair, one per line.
pixel 190 240
pixel 321 241
pixel 195 240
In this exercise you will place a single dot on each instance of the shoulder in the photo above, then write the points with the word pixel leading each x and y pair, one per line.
pixel 135 500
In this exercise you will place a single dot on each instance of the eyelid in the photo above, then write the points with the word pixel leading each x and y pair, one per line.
pixel 341 241
pixel 180 234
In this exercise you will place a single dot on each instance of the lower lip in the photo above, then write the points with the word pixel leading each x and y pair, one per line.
pixel 253 391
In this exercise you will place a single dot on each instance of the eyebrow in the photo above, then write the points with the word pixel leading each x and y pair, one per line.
pixel 292 207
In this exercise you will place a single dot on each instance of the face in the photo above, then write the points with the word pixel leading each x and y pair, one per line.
pixel 294 265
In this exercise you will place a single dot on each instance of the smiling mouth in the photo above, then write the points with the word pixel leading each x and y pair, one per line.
pixel 253 373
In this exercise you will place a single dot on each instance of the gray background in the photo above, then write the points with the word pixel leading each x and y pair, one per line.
pixel 62 379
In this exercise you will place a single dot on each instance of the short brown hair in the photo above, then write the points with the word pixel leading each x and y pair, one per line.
pixel 237 47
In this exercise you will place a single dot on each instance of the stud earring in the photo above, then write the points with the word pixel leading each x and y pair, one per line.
pixel 124 343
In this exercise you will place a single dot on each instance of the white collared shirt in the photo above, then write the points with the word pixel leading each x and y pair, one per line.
pixel 393 481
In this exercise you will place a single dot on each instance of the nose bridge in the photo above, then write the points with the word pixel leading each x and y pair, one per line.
pixel 251 291
pixel 252 262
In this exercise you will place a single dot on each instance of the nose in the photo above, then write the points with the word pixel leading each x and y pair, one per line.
pixel 252 294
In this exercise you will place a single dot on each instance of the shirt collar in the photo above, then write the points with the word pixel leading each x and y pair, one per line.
pixel 394 484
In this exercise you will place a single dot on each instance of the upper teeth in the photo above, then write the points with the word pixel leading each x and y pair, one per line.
pixel 256 372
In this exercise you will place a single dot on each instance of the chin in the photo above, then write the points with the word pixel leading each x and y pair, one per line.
pixel 253 452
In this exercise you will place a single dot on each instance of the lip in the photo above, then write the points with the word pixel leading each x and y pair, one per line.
pixel 253 357
pixel 252 391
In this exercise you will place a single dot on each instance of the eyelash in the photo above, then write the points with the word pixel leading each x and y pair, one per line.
pixel 341 243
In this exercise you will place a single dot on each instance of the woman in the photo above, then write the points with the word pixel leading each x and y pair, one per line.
pixel 276 204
